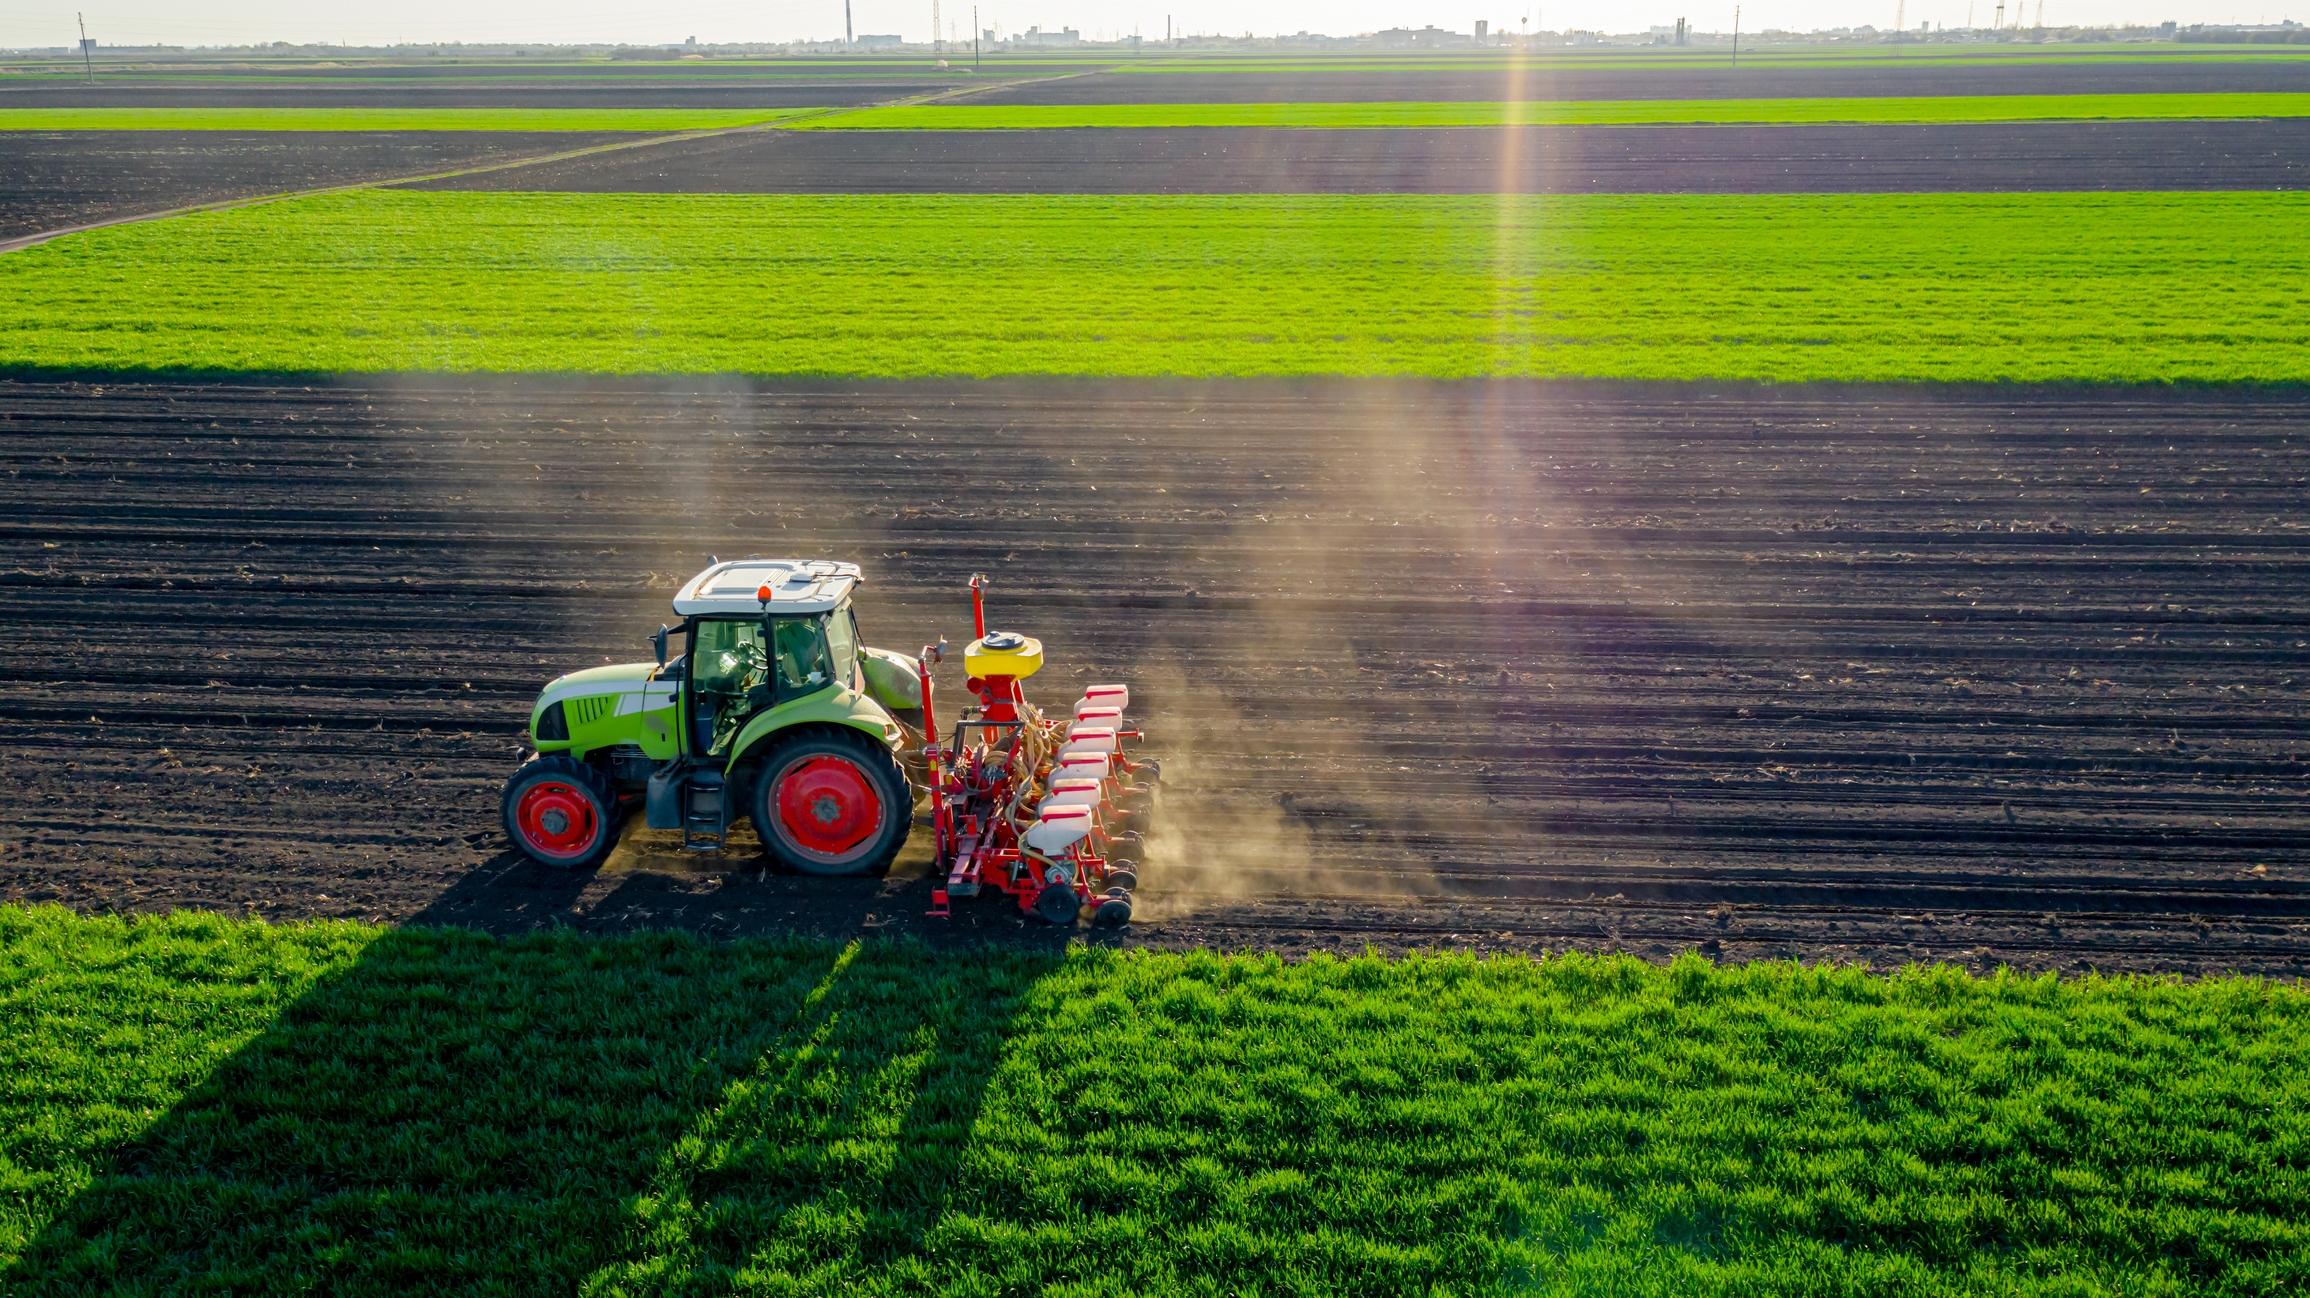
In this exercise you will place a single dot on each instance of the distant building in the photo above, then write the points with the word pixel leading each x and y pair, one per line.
pixel 1038 38
pixel 1421 38
pixel 880 42
pixel 1483 31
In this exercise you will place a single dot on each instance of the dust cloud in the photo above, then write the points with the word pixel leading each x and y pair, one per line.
pixel 1326 789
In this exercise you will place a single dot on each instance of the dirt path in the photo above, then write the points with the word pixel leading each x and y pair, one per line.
pixel 1878 674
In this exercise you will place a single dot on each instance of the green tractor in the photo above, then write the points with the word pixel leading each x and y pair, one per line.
pixel 773 711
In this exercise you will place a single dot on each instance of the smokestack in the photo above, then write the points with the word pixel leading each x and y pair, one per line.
pixel 847 38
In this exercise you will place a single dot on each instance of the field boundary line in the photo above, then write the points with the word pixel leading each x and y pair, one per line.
pixel 965 92
pixel 21 242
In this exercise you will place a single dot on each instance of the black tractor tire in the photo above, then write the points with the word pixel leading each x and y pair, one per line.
pixel 847 806
pixel 560 812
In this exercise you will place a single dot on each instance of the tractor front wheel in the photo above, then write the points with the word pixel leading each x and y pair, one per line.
pixel 831 800
pixel 560 812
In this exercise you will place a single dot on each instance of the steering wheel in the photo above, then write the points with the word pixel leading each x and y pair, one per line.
pixel 751 670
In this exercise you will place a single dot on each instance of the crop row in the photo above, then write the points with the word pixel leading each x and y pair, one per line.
pixel 1949 287
pixel 1881 110
pixel 2125 54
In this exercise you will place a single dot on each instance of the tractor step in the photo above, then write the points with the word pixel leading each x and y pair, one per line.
pixel 703 820
pixel 691 799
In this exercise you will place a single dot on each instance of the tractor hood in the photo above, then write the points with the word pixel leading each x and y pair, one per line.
pixel 615 678
pixel 605 707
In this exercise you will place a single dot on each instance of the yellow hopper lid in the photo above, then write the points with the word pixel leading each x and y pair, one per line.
pixel 1003 653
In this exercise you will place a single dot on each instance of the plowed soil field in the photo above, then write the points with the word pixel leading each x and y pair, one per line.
pixel 1879 674
pixel 590 91
pixel 57 179
pixel 2106 156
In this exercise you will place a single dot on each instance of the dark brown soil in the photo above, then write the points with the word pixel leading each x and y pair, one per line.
pixel 1888 78
pixel 514 69
pixel 589 92
pixel 1778 159
pixel 67 178
pixel 1983 676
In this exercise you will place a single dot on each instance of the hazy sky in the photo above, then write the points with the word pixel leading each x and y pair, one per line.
pixel 216 22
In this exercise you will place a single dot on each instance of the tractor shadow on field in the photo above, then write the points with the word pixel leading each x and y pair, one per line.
pixel 649 884
pixel 451 1112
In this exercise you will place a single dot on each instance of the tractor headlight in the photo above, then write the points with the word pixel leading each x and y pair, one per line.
pixel 551 724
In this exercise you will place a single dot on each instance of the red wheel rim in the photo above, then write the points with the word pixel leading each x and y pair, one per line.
pixel 556 819
pixel 828 807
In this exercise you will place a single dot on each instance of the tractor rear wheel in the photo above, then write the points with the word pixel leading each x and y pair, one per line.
pixel 831 800
pixel 560 812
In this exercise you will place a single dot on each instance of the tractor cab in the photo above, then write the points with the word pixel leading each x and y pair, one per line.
pixel 761 633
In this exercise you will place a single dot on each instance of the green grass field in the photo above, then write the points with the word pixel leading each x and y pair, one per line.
pixel 1763 56
pixel 2095 287
pixel 205 1105
pixel 1595 112
pixel 387 119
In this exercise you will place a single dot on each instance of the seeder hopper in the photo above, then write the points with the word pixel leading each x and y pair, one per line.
pixel 1032 806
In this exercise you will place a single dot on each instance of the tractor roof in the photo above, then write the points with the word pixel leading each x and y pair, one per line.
pixel 796 586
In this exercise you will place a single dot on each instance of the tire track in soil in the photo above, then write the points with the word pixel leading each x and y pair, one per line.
pixel 1872 674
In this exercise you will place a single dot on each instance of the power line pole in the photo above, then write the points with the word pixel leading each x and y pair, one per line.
pixel 937 46
pixel 975 33
pixel 87 60
pixel 1736 57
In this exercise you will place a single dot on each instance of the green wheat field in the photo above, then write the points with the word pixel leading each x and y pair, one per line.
pixel 1885 110
pixel 196 1104
pixel 1778 288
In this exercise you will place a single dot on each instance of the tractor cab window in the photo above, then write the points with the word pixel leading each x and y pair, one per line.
pixel 842 646
pixel 730 679
pixel 735 674
pixel 726 657
pixel 804 664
